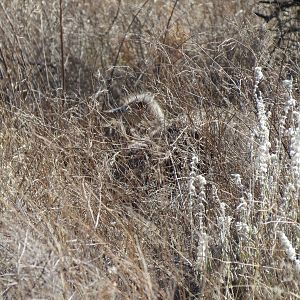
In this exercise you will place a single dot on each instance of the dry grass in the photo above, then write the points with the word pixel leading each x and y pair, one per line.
pixel 96 206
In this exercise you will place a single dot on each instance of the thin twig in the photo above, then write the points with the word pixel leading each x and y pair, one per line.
pixel 169 21
pixel 166 33
pixel 114 19
pixel 121 44
pixel 62 47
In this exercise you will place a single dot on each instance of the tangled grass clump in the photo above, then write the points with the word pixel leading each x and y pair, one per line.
pixel 164 165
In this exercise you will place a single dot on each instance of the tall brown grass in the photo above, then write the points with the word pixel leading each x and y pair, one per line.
pixel 95 207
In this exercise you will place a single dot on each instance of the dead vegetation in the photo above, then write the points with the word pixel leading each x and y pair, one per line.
pixel 96 202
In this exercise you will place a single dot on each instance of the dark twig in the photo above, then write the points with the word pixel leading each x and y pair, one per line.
pixel 121 44
pixel 166 32
pixel 62 47
pixel 114 19
pixel 169 21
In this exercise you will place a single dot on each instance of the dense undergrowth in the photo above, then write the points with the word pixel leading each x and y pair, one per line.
pixel 101 205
